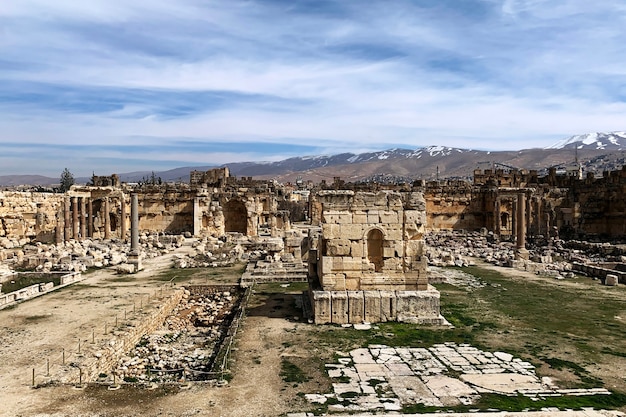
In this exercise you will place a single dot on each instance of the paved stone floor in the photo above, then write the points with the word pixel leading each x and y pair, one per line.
pixel 380 378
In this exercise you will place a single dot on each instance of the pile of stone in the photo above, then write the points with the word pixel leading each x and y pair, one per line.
pixel 7 243
pixel 450 248
pixel 210 253
pixel 230 249
pixel 457 248
pixel 201 311
pixel 166 358
pixel 78 256
pixel 186 346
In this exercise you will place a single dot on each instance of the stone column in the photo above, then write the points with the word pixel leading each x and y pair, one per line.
pixel 123 219
pixel 66 220
pixel 197 216
pixel 83 219
pixel 134 223
pixel 89 217
pixel 75 218
pixel 521 252
pixel 107 219
pixel 498 219
pixel 58 231
pixel 134 257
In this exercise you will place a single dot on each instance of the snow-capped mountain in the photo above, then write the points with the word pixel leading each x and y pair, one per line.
pixel 601 141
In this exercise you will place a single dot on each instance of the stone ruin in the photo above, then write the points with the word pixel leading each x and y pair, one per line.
pixel 368 264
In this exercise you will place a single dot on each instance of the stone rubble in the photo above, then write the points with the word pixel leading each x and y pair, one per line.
pixel 78 256
pixel 185 347
pixel 553 257
pixel 380 377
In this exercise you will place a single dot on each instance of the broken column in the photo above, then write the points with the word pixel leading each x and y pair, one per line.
pixel 134 257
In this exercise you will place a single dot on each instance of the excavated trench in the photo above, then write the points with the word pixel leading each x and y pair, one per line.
pixel 194 341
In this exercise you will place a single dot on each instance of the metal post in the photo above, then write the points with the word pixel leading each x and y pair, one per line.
pixel 33 377
pixel 63 357
pixel 48 367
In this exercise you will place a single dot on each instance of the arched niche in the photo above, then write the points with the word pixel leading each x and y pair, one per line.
pixel 374 244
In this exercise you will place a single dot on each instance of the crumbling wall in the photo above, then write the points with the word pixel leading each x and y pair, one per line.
pixel 370 260
pixel 28 215
pixel 371 240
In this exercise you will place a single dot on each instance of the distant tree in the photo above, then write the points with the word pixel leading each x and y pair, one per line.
pixel 67 180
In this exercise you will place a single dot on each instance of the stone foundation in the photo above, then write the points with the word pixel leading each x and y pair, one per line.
pixel 355 307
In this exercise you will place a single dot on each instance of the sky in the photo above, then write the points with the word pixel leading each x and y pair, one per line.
pixel 114 86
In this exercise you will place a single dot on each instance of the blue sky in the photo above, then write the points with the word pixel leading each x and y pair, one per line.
pixel 116 86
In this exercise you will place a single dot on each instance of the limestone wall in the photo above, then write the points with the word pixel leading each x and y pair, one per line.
pixel 29 215
pixel 371 240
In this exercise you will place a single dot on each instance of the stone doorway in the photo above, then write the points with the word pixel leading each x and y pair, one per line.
pixel 236 217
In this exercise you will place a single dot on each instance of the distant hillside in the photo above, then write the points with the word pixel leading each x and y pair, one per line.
pixel 597 152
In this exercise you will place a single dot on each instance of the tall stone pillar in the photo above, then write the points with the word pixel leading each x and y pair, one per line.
pixel 123 219
pixel 521 252
pixel 134 256
pixel 107 218
pixel 197 216
pixel 58 230
pixel 89 217
pixel 498 219
pixel 66 220
pixel 75 218
pixel 83 218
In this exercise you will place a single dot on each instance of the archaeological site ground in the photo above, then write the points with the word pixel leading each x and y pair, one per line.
pixel 231 296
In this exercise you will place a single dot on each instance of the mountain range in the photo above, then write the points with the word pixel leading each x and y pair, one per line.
pixel 597 152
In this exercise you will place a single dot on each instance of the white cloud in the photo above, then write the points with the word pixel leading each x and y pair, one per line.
pixel 485 74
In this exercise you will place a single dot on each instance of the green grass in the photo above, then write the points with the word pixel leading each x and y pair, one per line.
pixel 292 373
pixel 26 280
pixel 211 275
pixel 277 287
pixel 521 403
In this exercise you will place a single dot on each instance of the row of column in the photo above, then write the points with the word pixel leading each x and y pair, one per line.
pixel 78 219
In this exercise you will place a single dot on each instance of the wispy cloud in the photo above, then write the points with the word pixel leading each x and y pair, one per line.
pixel 159 83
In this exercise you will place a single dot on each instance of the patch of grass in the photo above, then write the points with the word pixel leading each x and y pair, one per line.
pixel 521 403
pixel 226 274
pixel 26 280
pixel 36 318
pixel 290 372
pixel 277 287
pixel 610 351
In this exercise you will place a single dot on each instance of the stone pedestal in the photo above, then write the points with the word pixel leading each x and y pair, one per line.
pixel 356 307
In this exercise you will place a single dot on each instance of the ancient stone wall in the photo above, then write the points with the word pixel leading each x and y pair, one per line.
pixel 369 264
pixel 29 215
pixel 371 240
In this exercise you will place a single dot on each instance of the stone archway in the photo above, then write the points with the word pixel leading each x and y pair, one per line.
pixel 375 249
pixel 236 217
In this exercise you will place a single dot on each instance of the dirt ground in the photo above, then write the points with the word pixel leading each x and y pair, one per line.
pixel 273 335
pixel 38 330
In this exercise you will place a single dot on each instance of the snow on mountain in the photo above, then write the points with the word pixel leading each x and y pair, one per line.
pixel 597 140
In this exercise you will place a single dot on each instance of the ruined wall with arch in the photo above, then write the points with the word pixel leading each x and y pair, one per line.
pixel 371 240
